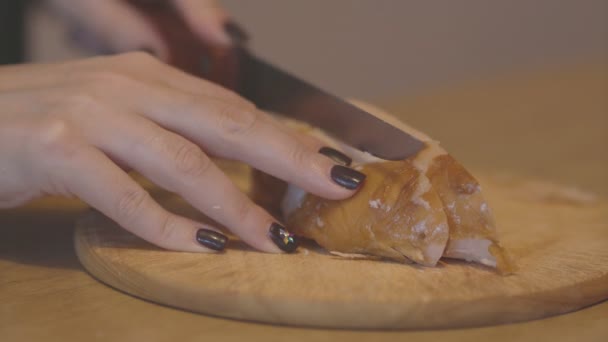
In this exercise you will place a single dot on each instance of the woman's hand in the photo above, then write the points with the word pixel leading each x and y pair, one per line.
pixel 116 26
pixel 65 129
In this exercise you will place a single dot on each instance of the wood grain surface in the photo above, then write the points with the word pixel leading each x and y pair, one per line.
pixel 557 236
pixel 560 120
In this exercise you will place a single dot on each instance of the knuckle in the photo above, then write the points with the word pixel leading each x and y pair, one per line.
pixel 166 230
pixel 56 140
pixel 130 204
pixel 236 121
pixel 300 156
pixel 190 160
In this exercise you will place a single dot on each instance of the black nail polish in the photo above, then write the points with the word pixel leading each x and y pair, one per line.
pixel 347 177
pixel 336 156
pixel 211 239
pixel 282 238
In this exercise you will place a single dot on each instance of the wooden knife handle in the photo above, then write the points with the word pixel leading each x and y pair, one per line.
pixel 186 50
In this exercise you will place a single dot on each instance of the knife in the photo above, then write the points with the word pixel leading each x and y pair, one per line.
pixel 276 90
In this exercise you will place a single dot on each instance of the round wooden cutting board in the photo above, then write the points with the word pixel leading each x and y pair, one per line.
pixel 557 236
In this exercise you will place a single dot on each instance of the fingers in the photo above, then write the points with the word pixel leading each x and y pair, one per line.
pixel 163 142
pixel 180 166
pixel 206 18
pixel 224 127
pixel 76 168
pixel 243 133
pixel 117 25
pixel 120 27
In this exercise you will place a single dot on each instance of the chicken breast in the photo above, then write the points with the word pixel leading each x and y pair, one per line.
pixel 416 210
pixel 387 217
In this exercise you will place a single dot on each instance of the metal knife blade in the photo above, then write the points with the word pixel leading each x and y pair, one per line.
pixel 273 89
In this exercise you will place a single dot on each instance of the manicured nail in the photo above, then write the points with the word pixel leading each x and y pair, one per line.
pixel 347 177
pixel 211 239
pixel 282 238
pixel 336 156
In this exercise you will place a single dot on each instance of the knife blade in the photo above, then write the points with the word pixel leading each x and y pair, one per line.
pixel 273 89
pixel 276 90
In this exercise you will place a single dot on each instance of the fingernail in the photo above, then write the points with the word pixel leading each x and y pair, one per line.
pixel 211 239
pixel 336 156
pixel 347 177
pixel 286 241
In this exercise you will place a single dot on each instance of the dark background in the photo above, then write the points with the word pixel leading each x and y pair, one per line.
pixel 12 31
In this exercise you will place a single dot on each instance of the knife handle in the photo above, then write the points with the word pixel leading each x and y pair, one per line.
pixel 186 50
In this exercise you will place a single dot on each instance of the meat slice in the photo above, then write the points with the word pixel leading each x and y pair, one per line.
pixel 388 217
pixel 416 210
pixel 473 235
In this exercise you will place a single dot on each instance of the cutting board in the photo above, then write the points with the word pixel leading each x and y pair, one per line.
pixel 557 235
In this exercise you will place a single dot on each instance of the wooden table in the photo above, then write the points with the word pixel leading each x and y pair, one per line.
pixel 550 124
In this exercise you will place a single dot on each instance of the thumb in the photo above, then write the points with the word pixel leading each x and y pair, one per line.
pixel 206 18
pixel 114 24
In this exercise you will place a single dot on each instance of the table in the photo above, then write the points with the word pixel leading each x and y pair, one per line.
pixel 550 124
